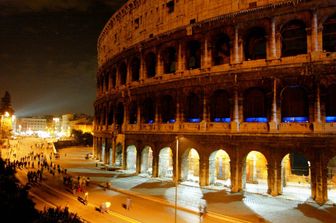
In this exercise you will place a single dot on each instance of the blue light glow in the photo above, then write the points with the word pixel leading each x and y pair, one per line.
pixel 222 120
pixel 194 120
pixel 171 120
pixel 151 121
pixel 256 119
pixel 295 119
pixel 331 119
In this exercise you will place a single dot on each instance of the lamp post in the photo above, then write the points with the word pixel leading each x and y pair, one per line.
pixel 176 175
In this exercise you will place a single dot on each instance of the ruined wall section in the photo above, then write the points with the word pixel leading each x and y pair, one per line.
pixel 140 20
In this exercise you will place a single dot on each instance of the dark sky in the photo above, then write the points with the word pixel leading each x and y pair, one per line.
pixel 48 57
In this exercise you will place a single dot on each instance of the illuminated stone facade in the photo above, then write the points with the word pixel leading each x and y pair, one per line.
pixel 214 75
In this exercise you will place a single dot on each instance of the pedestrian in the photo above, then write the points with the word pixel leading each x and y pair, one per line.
pixel 128 203
pixel 86 197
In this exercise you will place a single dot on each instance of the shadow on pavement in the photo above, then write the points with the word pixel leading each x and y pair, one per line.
pixel 323 215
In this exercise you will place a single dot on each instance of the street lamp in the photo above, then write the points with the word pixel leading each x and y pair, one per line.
pixel 176 175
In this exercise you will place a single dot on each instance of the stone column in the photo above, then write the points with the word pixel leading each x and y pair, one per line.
pixel 114 148
pixel 314 33
pixel 157 113
pixel 138 161
pixel 206 59
pixel 205 113
pixel 236 173
pixel 125 121
pixel 274 122
pixel 272 43
pixel 128 73
pixel 180 57
pixel 317 113
pixel 155 165
pixel 273 177
pixel 204 171
pixel 236 58
pixel 142 71
pixel 159 64
pixel 177 114
pixel 319 180
pixel 235 121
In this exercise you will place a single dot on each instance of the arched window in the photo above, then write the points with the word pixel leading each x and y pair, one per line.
pixel 133 113
pixel 123 73
pixel 255 44
pixel 120 114
pixel 294 38
pixel 330 104
pixel 169 60
pixel 193 109
pixel 329 34
pixel 255 109
pixel 151 65
pixel 110 116
pixel 294 105
pixel 193 54
pixel 114 77
pixel 135 69
pixel 221 50
pixel 220 107
pixel 148 111
pixel 168 109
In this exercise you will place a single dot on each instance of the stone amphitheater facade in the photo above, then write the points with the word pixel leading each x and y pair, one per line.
pixel 205 75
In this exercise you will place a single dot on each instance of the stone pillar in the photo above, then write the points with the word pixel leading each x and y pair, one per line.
pixel 205 116
pixel 177 115
pixel 125 121
pixel 236 173
pixel 128 73
pixel 204 171
pixel 319 185
pixel 236 58
pixel 157 112
pixel 272 43
pixel 206 59
pixel 235 121
pixel 274 122
pixel 138 161
pixel 180 57
pixel 114 149
pixel 177 172
pixel 273 177
pixel 142 71
pixel 314 33
pixel 155 165
pixel 317 113
pixel 159 64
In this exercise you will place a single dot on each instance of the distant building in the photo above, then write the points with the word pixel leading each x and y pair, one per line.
pixel 31 124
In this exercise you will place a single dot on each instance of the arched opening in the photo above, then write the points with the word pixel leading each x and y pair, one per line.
pixel 119 155
pixel 133 113
pixel 294 105
pixel 131 155
pixel 122 73
pixel 219 169
pixel 255 44
pixel 110 116
pixel 114 77
pixel 103 146
pixel 332 179
pixel 135 69
pixel 193 55
pixel 329 34
pixel 190 166
pixel 147 161
pixel 151 64
pixel 255 173
pixel 148 111
pixel 255 109
pixel 295 176
pixel 330 104
pixel 166 163
pixel 193 109
pixel 294 38
pixel 120 115
pixel 220 106
pixel 221 50
pixel 169 60
pixel 168 109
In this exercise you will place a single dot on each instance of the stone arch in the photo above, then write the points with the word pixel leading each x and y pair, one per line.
pixel 294 104
pixel 255 105
pixel 169 58
pixel 193 108
pixel 254 174
pixel 219 168
pixel 255 44
pixel 330 103
pixel 131 154
pixel 119 155
pixel 150 64
pixel 294 38
pixel 220 106
pixel 147 161
pixel 122 73
pixel 221 49
pixel 193 54
pixel 168 109
pixel 329 34
pixel 332 179
pixel 190 166
pixel 133 110
pixel 135 69
pixel 295 176
pixel 148 111
pixel 166 163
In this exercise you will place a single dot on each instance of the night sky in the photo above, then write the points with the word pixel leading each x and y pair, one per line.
pixel 48 56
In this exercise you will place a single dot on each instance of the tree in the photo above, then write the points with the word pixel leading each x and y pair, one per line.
pixel 6 105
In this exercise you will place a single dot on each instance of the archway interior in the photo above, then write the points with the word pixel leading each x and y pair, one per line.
pixel 147 161
pixel 103 152
pixel 295 176
pixel 166 163
pixel 255 173
pixel 332 179
pixel 131 158
pixel 190 166
pixel 118 160
pixel 219 169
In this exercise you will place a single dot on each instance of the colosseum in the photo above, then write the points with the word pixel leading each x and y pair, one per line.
pixel 236 94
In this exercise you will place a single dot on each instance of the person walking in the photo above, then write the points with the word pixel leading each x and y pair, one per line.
pixel 128 203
